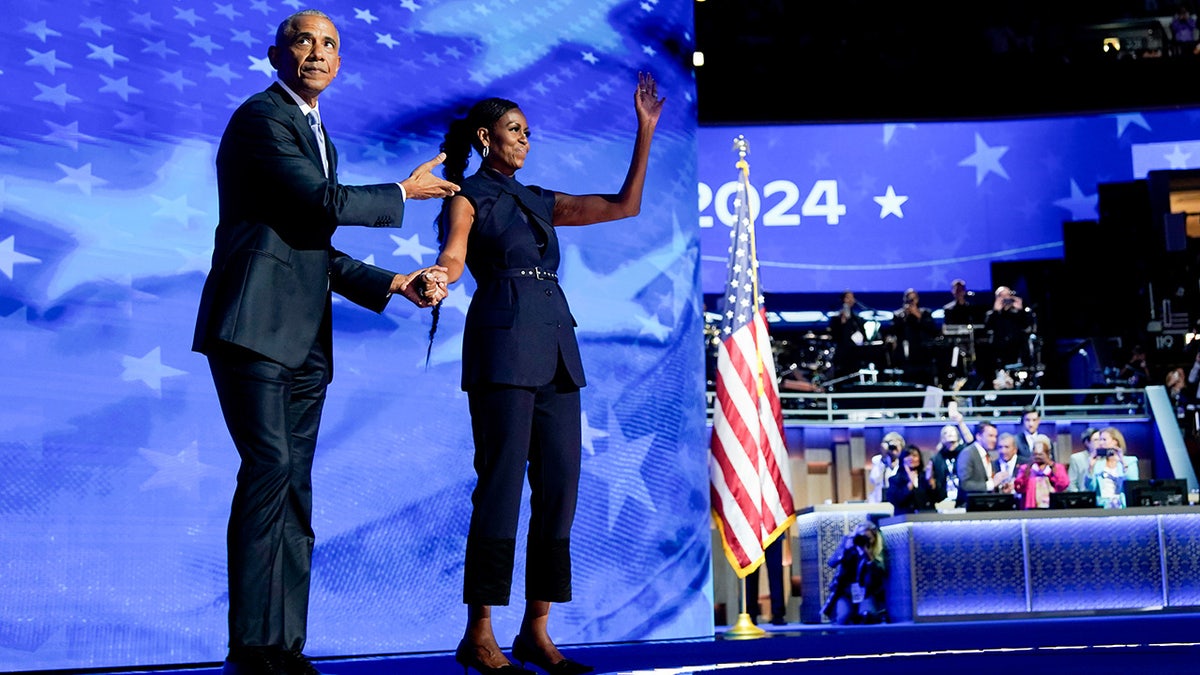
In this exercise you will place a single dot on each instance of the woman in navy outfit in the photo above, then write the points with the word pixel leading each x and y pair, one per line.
pixel 521 368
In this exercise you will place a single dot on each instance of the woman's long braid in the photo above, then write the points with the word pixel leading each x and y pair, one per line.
pixel 457 144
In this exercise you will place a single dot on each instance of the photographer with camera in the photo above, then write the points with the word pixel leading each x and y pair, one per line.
pixel 884 466
pixel 856 591
pixel 1009 324
pixel 910 337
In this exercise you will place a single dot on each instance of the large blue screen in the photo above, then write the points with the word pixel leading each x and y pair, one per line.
pixel 884 207
pixel 118 470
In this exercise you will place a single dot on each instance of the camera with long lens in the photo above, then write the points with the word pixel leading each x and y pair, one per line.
pixel 862 540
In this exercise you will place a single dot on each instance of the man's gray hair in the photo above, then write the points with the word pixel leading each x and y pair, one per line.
pixel 287 28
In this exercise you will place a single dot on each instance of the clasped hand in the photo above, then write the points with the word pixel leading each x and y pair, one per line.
pixel 425 287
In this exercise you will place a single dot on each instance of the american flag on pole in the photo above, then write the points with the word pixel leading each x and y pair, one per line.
pixel 749 477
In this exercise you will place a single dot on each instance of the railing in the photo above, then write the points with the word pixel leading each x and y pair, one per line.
pixel 1077 404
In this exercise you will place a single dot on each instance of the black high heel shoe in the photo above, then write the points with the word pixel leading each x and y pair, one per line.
pixel 465 656
pixel 526 653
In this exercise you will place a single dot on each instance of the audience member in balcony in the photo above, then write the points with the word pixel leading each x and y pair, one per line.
pixel 1184 35
pixel 908 490
pixel 1040 477
pixel 1136 373
pixel 961 310
pixel 1009 325
pixel 1031 419
pixel 910 338
pixel 856 594
pixel 974 466
pixel 943 482
pixel 1110 469
pixel 1081 461
pixel 847 331
pixel 1004 468
pixel 883 466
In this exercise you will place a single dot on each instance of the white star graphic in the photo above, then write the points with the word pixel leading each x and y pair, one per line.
pixel 105 54
pixel 889 131
pixel 365 15
pixel 81 177
pixel 986 160
pixel 621 468
pixel 66 134
pixel 56 95
pixel 40 30
pixel 457 298
pixel 590 434
pixel 183 470
pixel 176 209
pixel 46 60
pixel 386 40
pixel 589 57
pixel 1081 206
pixel 411 247
pixel 262 65
pixel 149 369
pixel 1125 119
pixel 119 86
pixel 410 5
pixel 1178 159
pixel 889 204
pixel 9 256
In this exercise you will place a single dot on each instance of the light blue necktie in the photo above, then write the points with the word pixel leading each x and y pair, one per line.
pixel 314 121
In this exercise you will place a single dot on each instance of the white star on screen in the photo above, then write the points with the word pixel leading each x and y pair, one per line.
pixel 9 256
pixel 590 434
pixel 182 471
pixel 986 160
pixel 1178 159
pixel 890 203
pixel 1125 119
pixel 411 247
pixel 1081 206
pixel 148 369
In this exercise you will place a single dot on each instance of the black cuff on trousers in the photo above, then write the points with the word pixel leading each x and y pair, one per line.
pixel 548 570
pixel 487 578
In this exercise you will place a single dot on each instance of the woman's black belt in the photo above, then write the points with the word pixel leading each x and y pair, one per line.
pixel 528 273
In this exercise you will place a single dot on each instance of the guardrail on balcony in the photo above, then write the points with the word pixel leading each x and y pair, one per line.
pixel 1078 404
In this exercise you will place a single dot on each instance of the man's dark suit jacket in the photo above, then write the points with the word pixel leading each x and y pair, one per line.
pixel 972 472
pixel 274 265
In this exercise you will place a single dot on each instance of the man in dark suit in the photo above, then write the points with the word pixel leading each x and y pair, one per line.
pixel 264 324
pixel 1030 421
pixel 974 465
pixel 1004 467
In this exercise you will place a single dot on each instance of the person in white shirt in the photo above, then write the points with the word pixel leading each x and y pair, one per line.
pixel 1081 461
pixel 883 466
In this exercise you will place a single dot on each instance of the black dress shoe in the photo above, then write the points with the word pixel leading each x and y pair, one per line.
pixel 466 657
pixel 527 653
pixel 296 663
pixel 253 661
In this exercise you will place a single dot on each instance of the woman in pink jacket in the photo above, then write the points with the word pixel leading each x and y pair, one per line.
pixel 1036 480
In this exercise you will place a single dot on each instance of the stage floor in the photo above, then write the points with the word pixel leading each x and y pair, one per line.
pixel 1151 644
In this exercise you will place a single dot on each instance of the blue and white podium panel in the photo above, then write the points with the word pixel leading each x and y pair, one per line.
pixel 1042 563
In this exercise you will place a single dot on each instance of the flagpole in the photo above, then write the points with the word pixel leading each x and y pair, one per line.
pixel 744 628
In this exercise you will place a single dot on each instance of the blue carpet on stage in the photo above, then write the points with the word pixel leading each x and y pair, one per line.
pixel 1153 644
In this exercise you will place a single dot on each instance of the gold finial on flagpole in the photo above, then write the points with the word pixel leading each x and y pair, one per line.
pixel 742 147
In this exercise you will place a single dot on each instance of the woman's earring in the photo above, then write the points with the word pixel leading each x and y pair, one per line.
pixel 484 153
